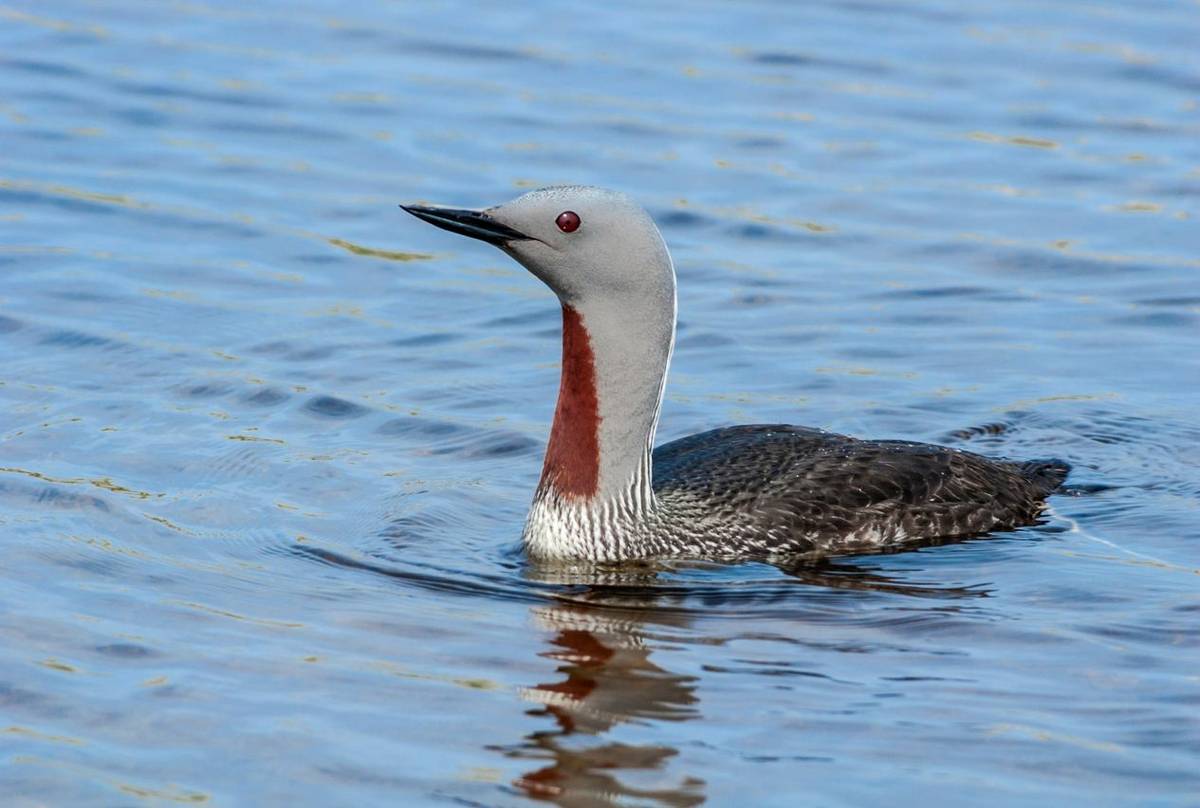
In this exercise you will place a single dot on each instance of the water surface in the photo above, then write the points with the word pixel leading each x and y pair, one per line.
pixel 266 443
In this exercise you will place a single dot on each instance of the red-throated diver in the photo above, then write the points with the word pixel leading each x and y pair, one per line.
pixel 757 491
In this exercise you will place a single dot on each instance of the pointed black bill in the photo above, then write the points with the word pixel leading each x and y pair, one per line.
pixel 473 223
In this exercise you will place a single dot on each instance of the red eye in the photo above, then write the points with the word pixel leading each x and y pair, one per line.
pixel 567 221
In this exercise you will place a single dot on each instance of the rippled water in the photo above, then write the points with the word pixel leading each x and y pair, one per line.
pixel 266 443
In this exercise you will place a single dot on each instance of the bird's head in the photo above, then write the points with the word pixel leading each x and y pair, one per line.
pixel 583 242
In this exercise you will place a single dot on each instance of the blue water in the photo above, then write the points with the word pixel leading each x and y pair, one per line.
pixel 266 443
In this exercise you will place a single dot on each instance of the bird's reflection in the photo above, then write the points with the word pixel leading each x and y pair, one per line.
pixel 602 633
pixel 606 678
pixel 603 624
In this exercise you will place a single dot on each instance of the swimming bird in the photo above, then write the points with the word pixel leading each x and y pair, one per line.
pixel 763 491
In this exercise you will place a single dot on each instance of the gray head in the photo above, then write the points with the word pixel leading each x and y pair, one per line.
pixel 583 242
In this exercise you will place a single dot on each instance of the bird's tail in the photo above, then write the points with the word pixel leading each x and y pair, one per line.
pixel 1047 475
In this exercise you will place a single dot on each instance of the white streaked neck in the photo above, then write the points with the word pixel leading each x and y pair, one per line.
pixel 596 486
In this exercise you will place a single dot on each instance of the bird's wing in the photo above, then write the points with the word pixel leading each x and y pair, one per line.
pixel 775 465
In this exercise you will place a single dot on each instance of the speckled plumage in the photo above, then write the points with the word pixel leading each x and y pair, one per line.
pixel 771 490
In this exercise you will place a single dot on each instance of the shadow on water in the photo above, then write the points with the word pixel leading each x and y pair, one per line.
pixel 688 587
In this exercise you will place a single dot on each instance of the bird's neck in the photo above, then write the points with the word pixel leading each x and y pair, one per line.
pixel 598 459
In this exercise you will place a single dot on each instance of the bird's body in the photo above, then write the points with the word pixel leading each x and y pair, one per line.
pixel 776 491
pixel 829 493
pixel 762 491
